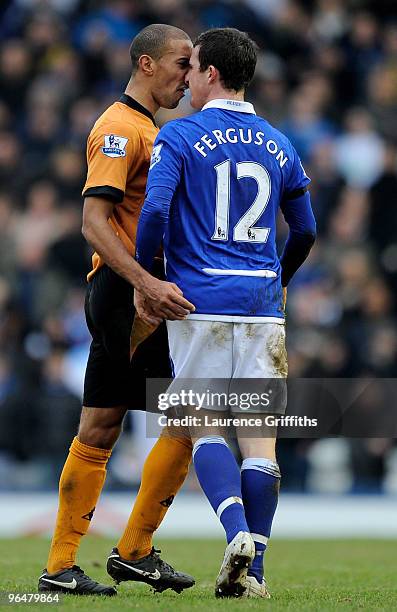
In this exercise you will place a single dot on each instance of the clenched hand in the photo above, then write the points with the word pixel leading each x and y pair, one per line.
pixel 158 300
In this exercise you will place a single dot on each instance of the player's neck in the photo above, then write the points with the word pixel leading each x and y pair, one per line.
pixel 141 94
pixel 219 93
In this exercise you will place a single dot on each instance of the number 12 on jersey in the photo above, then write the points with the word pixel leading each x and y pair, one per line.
pixel 244 230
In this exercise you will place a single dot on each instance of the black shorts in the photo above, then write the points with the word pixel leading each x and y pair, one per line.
pixel 111 378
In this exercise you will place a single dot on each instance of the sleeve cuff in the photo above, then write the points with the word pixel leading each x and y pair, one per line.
pixel 296 193
pixel 105 191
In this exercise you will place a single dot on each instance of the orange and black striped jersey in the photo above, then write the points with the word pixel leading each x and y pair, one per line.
pixel 118 157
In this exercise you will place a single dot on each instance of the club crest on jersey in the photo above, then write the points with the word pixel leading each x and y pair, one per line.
pixel 114 146
pixel 156 157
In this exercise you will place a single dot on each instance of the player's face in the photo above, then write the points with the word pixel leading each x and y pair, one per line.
pixel 197 81
pixel 171 70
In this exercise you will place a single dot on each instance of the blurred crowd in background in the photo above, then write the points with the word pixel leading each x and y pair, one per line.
pixel 326 77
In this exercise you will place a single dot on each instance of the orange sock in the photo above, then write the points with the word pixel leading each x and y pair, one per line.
pixel 163 474
pixel 80 485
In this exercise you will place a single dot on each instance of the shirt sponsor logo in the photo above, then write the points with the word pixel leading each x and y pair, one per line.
pixel 114 146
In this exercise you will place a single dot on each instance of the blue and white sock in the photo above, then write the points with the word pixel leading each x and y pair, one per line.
pixel 260 483
pixel 219 477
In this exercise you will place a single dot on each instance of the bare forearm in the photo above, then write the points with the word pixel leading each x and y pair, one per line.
pixel 161 299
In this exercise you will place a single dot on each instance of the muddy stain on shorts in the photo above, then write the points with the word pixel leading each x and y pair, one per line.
pixel 249 331
pixel 219 333
pixel 185 331
pixel 278 353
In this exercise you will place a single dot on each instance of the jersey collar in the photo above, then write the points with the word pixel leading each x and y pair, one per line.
pixel 126 99
pixel 231 105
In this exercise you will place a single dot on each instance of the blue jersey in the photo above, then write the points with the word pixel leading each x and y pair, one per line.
pixel 228 170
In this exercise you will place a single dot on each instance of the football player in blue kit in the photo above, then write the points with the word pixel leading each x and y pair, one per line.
pixel 216 182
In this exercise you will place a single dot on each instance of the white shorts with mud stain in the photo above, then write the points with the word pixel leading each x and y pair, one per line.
pixel 220 356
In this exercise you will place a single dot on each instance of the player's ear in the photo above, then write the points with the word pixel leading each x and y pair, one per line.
pixel 213 74
pixel 146 65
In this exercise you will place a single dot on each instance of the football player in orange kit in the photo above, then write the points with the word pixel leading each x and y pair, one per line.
pixel 118 155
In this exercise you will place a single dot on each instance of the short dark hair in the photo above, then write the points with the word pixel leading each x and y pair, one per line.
pixel 232 52
pixel 153 40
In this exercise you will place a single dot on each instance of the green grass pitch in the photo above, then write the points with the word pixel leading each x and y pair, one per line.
pixel 302 575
